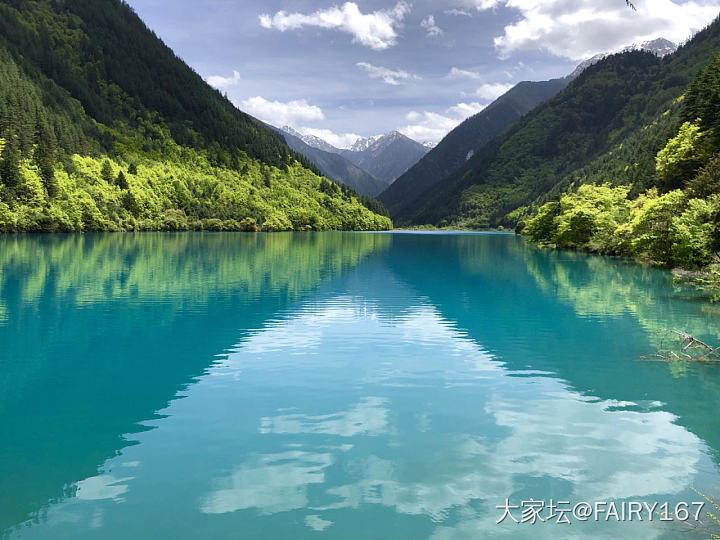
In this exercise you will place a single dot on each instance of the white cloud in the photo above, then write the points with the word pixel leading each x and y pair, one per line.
pixel 582 28
pixel 388 76
pixel 376 30
pixel 432 127
pixel 466 110
pixel 457 73
pixel 338 140
pixel 457 12
pixel 484 4
pixel 278 113
pixel 220 82
pixel 433 30
pixel 492 91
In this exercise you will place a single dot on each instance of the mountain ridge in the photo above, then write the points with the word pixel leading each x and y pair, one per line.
pixel 659 47
pixel 387 156
pixel 595 113
pixel 335 166
pixel 104 128
pixel 465 140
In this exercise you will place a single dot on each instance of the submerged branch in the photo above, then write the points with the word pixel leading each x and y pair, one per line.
pixel 690 341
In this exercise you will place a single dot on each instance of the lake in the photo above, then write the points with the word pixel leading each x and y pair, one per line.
pixel 344 386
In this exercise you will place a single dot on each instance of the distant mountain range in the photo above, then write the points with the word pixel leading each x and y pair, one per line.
pixel 311 140
pixel 402 171
pixel 333 165
pixel 387 156
pixel 369 166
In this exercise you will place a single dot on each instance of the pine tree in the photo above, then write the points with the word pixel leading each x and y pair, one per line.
pixel 45 160
pixel 121 181
pixel 132 169
pixel 106 172
pixel 10 167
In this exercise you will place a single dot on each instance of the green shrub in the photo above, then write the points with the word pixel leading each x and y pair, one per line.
pixel 683 156
pixel 693 233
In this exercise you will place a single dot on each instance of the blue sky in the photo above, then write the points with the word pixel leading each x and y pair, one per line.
pixel 348 69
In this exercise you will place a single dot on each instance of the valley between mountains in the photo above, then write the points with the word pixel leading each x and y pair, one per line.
pixel 104 128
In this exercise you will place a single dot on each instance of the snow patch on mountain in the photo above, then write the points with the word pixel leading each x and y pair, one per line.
pixel 659 47
pixel 312 140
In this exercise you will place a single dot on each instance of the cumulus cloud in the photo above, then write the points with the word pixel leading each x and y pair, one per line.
pixel 466 110
pixel 338 140
pixel 376 30
pixel 457 73
pixel 280 113
pixel 220 82
pixel 428 23
pixel 492 91
pixel 388 76
pixel 581 28
pixel 432 127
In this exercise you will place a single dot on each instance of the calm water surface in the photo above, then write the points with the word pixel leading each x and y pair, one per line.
pixel 340 385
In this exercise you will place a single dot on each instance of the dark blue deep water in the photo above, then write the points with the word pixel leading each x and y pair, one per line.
pixel 342 386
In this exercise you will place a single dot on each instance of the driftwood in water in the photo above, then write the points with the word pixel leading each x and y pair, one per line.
pixel 690 341
pixel 689 350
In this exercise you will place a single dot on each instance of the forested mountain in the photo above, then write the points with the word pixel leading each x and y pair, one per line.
pixel 465 141
pixel 659 47
pixel 386 157
pixel 102 127
pixel 675 223
pixel 614 117
pixel 336 167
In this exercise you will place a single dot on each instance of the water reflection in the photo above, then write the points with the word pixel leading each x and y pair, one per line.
pixel 101 331
pixel 369 417
pixel 272 483
pixel 404 390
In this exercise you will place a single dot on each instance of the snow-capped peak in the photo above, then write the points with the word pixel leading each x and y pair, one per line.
pixel 311 140
pixel 363 143
pixel 292 131
pixel 659 47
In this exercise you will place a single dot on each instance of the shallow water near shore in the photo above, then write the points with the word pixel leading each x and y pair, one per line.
pixel 343 385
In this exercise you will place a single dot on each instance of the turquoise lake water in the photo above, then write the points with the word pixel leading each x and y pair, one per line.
pixel 343 386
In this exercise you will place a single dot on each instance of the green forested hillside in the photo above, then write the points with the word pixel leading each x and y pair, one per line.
pixel 676 223
pixel 102 127
pixel 466 140
pixel 575 137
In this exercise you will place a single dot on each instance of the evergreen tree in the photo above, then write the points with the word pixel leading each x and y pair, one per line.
pixel 132 169
pixel 45 160
pixel 107 172
pixel 10 166
pixel 121 181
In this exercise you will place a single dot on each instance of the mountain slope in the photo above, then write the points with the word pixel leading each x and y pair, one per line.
pixel 386 157
pixel 677 222
pixel 659 47
pixel 600 109
pixel 102 127
pixel 311 140
pixel 336 167
pixel 466 140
